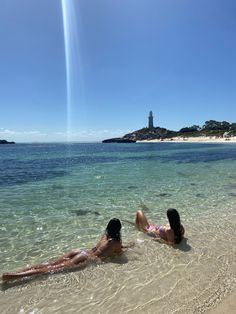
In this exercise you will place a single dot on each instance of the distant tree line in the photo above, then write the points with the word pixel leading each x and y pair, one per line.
pixel 210 127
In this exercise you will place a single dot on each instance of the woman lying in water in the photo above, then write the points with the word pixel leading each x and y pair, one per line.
pixel 109 245
pixel 171 233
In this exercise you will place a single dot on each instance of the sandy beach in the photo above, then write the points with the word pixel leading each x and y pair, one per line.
pixel 227 306
pixel 199 139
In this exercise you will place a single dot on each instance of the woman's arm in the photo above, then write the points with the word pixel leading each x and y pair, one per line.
pixel 170 237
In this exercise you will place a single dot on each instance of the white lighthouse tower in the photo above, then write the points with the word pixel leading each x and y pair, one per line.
pixel 150 120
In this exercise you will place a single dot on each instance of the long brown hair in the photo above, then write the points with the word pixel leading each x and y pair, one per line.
pixel 174 221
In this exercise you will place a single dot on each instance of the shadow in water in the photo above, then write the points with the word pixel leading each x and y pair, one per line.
pixel 121 259
pixel 183 245
pixel 23 281
pixel 40 277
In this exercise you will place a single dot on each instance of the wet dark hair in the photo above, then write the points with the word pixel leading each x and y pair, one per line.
pixel 113 229
pixel 174 221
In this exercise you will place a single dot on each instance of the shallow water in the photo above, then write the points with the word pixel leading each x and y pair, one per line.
pixel 55 197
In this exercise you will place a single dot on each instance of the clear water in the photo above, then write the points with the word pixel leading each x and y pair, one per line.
pixel 55 197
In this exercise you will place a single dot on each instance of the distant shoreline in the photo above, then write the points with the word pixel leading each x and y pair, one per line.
pixel 198 139
pixel 3 142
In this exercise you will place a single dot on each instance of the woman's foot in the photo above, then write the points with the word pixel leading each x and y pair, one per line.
pixel 8 277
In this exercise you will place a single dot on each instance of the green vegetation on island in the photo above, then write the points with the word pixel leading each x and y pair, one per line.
pixel 210 128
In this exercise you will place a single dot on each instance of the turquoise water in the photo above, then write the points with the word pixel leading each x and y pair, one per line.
pixel 55 197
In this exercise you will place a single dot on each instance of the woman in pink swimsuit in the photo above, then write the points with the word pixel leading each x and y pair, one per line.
pixel 109 245
pixel 171 233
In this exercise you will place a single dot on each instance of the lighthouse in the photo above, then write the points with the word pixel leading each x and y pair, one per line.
pixel 150 120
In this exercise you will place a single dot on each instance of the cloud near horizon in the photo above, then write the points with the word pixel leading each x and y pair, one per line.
pixel 60 136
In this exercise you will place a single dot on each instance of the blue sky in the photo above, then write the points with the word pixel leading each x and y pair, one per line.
pixel 176 58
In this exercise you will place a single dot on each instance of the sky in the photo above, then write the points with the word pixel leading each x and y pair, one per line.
pixel 127 57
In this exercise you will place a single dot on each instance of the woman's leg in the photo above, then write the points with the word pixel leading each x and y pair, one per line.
pixel 141 221
pixel 31 272
pixel 66 257
pixel 59 260
pixel 69 260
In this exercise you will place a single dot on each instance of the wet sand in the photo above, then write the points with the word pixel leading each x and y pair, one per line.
pixel 227 306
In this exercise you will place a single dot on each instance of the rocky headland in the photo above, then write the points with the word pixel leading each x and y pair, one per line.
pixel 6 142
pixel 211 128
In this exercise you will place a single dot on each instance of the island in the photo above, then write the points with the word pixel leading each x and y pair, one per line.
pixel 211 129
pixel 6 142
pixel 119 140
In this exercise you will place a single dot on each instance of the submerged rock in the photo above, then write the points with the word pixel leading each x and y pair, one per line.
pixel 163 194
pixel 232 194
pixel 83 212
pixel 130 187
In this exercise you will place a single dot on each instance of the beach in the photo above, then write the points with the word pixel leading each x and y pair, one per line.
pixel 56 197
pixel 198 139
pixel 228 306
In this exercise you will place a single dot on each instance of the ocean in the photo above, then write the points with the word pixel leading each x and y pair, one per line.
pixel 56 197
